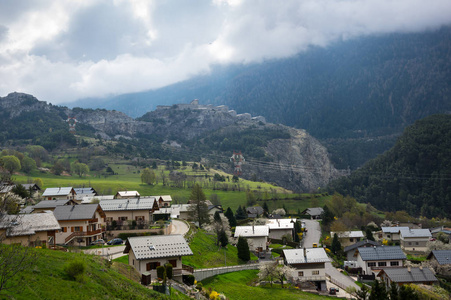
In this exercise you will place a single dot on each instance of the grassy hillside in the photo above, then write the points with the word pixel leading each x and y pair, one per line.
pixel 48 280
pixel 238 285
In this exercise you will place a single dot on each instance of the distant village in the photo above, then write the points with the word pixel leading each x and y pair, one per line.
pixel 156 229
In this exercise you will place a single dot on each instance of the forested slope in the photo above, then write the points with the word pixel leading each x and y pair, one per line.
pixel 415 175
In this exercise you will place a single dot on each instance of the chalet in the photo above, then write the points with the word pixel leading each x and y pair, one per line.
pixel 347 238
pixel 254 211
pixel 146 253
pixel 59 193
pixel 84 192
pixel 128 210
pixel 31 187
pixel 351 251
pixel 408 275
pixel 29 230
pixel 280 227
pixel 309 265
pixel 313 212
pixel 374 259
pixel 164 201
pixel 415 239
pixel 80 224
pixel 51 204
pixel 392 234
pixel 127 194
pixel 257 236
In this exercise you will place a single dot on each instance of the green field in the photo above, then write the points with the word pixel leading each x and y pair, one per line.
pixel 240 285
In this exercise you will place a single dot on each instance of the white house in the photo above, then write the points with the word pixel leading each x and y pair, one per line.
pixel 280 227
pixel 374 259
pixel 59 193
pixel 347 238
pixel 309 265
pixel 127 194
pixel 257 236
pixel 415 239
pixel 391 233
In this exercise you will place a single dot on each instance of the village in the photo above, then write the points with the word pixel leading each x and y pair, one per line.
pixel 151 231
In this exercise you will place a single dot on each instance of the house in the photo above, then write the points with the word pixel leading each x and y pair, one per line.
pixel 80 224
pixel 347 238
pixel 408 275
pixel 373 259
pixel 442 259
pixel 254 211
pixel 313 212
pixel 146 253
pixel 128 210
pixel 415 239
pixel 31 187
pixel 351 250
pixel 391 233
pixel 280 227
pixel 164 201
pixel 59 193
pixel 179 211
pixel 212 209
pixel 309 265
pixel 51 204
pixel 127 194
pixel 97 198
pixel 441 231
pixel 84 192
pixel 257 236
pixel 30 230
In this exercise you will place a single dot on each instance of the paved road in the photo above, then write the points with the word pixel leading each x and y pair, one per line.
pixel 179 227
pixel 113 252
pixel 313 233
pixel 337 275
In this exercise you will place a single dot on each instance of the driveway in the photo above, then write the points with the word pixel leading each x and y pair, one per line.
pixel 313 234
pixel 341 278
pixel 179 227
pixel 113 252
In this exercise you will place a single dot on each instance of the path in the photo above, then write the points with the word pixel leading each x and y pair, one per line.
pixel 179 227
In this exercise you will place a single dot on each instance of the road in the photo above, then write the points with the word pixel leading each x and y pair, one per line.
pixel 179 227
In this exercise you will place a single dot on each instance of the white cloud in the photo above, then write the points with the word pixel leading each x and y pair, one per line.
pixel 63 50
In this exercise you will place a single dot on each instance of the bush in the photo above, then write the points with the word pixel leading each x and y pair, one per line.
pixel 189 279
pixel 161 272
pixel 75 269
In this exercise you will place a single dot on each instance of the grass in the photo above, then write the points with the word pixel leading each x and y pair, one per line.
pixel 46 279
pixel 416 258
pixel 122 259
pixel 239 285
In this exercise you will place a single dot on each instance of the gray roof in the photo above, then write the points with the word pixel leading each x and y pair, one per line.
pixel 29 224
pixel 381 253
pixel 348 234
pixel 414 275
pixel 52 203
pixel 85 190
pixel 148 247
pixel 31 185
pixel 27 210
pixel 75 212
pixel 314 211
pixel 394 229
pixel 364 243
pixel 255 210
pixel 128 204
pixel 312 255
pixel 252 231
pixel 413 233
pixel 443 257
pixel 59 191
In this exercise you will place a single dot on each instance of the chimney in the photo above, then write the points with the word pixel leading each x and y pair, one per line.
pixel 305 254
pixel 421 268
pixel 253 230
pixel 409 269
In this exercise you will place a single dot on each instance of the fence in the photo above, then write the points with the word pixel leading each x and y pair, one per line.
pixel 201 274
pixel 336 282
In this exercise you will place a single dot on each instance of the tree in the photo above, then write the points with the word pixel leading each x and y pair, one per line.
pixel 223 239
pixel 28 164
pixel 267 271
pixel 243 249
pixel 265 208
pixel 336 245
pixel 80 169
pixel 148 176
pixel 11 163
pixel 154 165
pixel 240 213
pixel 21 191
pixel 328 215
pixel 283 272
pixel 38 182
pixel 199 208
pixel 378 292
pixel 369 234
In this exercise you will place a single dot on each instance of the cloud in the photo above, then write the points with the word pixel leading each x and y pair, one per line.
pixel 64 50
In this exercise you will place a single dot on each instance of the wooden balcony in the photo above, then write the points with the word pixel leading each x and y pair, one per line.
pixel 78 234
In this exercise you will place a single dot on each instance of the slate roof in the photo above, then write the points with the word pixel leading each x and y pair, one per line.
pixel 52 203
pixel 314 211
pixel 29 224
pixel 75 212
pixel 364 243
pixel 252 231
pixel 404 275
pixel 415 233
pixel 395 229
pixel 27 210
pixel 127 204
pixel 443 257
pixel 59 191
pixel 128 194
pixel 148 247
pixel 381 253
pixel 85 190
pixel 257 210
pixel 313 255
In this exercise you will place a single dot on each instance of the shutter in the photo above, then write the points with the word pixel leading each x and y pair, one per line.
pixel 72 229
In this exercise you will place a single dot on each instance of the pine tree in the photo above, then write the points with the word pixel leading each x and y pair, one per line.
pixel 378 292
pixel 199 208
pixel 223 240
pixel 336 245
pixel 369 234
pixel 243 249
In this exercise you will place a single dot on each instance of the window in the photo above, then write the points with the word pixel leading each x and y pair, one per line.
pixel 351 240
pixel 109 219
pixel 152 266
pixel 173 262
pixel 123 218
pixel 300 273
pixel 410 243
pixel 77 228
pixel 139 218
pixel 371 264
pixel 382 264
pixel 64 229
pixel 316 272
pixel 417 243
pixel 394 263
pixel 388 235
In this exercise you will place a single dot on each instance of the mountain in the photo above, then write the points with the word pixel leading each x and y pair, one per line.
pixel 353 95
pixel 414 175
pixel 275 153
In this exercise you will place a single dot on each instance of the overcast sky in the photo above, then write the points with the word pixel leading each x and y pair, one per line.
pixel 64 50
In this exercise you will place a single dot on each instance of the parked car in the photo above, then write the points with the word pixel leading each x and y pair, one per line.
pixel 333 291
pixel 98 242
pixel 116 241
